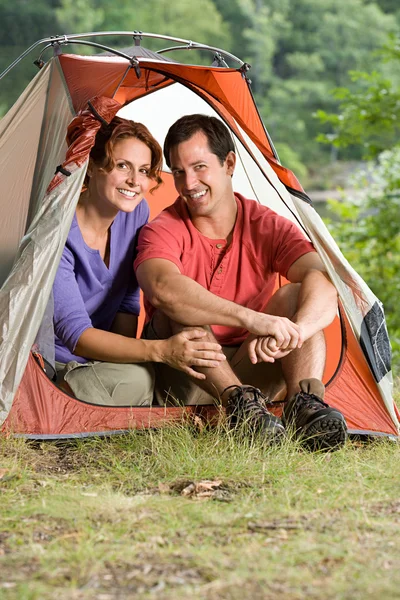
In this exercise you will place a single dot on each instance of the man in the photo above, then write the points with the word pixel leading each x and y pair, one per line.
pixel 211 259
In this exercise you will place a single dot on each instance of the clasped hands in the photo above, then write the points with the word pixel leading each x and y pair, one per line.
pixel 274 338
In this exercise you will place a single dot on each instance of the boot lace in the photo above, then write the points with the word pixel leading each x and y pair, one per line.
pixel 250 399
pixel 306 401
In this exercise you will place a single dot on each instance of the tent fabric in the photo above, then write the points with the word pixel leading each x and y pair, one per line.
pixel 19 141
pixel 226 88
pixel 81 134
pixel 26 291
pixel 55 414
pixel 357 374
pixel 356 297
pixel 142 52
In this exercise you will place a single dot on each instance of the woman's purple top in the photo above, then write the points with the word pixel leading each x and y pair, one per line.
pixel 87 293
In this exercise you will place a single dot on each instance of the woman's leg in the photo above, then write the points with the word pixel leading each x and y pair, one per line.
pixel 110 384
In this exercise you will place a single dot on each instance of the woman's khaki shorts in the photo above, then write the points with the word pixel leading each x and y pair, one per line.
pixel 109 384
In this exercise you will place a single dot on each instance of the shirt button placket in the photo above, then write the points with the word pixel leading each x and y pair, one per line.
pixel 217 278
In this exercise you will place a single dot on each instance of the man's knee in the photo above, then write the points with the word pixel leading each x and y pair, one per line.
pixel 284 302
pixel 162 327
pixel 209 337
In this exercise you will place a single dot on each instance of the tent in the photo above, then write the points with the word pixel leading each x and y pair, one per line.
pixel 37 209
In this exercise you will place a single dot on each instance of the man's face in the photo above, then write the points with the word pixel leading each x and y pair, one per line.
pixel 199 177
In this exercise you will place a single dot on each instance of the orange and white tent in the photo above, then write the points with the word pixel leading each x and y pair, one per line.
pixel 37 209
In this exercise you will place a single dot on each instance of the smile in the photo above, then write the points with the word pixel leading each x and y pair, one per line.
pixel 197 195
pixel 127 193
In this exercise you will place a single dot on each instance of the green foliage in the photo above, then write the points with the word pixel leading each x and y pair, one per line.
pixel 23 22
pixel 388 6
pixel 369 116
pixel 367 231
pixel 79 16
pixel 268 21
pixel 191 20
pixel 321 40
pixel 236 15
pixel 291 160
pixel 299 50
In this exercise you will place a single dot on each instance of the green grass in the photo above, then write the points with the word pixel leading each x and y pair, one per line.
pixel 179 513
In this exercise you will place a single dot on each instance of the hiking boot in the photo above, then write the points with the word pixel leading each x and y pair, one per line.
pixel 315 423
pixel 247 406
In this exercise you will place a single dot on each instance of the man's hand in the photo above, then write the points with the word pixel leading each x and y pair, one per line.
pixel 275 337
pixel 187 349
pixel 275 334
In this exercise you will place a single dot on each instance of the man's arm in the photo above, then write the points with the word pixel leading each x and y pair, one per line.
pixel 189 303
pixel 316 308
pixel 317 303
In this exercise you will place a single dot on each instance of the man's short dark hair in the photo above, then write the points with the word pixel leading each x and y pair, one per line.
pixel 219 139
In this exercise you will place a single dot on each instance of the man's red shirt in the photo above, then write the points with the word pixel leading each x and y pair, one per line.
pixel 263 244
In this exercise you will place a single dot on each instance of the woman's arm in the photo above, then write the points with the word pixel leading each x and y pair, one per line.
pixel 74 329
pixel 182 351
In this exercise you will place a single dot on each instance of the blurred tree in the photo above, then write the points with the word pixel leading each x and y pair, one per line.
pixel 368 229
pixel 370 115
pixel 235 13
pixel 198 20
pixel 269 23
pixel 79 16
pixel 324 39
pixel 388 6
pixel 22 22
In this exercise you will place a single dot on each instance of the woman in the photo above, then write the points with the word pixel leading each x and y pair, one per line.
pixel 96 295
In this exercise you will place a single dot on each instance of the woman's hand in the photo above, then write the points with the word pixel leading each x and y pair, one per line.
pixel 187 349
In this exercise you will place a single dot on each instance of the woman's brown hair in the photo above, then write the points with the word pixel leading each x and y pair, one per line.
pixel 119 129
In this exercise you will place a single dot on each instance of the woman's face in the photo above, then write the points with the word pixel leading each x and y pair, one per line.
pixel 123 187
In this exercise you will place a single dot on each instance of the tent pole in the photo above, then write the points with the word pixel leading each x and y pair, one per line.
pixel 78 38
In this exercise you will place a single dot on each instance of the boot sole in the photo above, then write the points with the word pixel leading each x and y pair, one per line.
pixel 276 435
pixel 327 432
